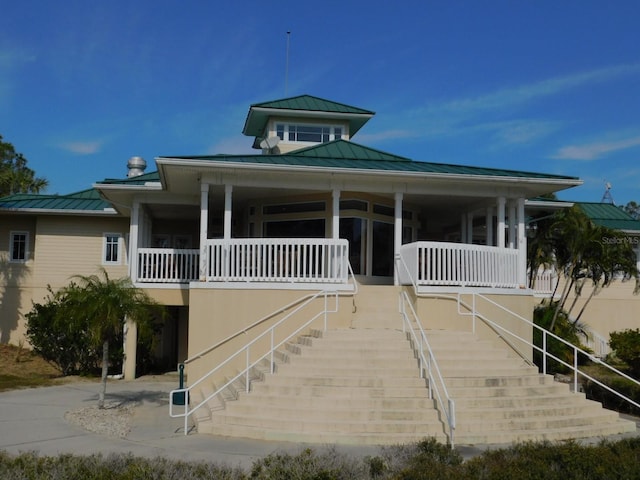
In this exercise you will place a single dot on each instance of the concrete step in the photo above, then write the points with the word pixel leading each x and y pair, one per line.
pixel 353 402
pixel 342 438
pixel 338 413
pixel 328 424
pixel 338 392
pixel 368 382
pixel 513 435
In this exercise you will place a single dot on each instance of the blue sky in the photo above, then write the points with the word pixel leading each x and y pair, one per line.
pixel 545 86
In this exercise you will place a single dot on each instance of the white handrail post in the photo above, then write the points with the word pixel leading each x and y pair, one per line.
pixel 452 420
pixel 247 370
pixel 325 310
pixel 544 351
pixel 272 352
pixel 473 303
pixel 575 370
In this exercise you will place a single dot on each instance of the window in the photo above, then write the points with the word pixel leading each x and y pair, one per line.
pixel 111 248
pixel 308 133
pixel 18 246
pixel 293 208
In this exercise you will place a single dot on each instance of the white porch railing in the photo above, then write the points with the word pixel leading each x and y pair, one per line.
pixel 167 265
pixel 458 264
pixel 544 283
pixel 299 260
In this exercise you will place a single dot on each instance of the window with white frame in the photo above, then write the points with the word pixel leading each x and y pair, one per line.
pixel 111 255
pixel 18 246
pixel 308 133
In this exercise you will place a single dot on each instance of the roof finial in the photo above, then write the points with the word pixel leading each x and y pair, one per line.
pixel 607 197
pixel 286 68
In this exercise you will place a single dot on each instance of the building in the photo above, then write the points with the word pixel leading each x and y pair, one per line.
pixel 233 244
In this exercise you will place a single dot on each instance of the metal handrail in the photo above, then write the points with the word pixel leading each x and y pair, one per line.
pixel 429 364
pixel 184 392
pixel 246 329
pixel 545 354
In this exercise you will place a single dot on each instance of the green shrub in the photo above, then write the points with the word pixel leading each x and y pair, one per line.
pixel 309 465
pixel 59 338
pixel 427 459
pixel 62 338
pixel 626 345
pixel 629 389
pixel 564 328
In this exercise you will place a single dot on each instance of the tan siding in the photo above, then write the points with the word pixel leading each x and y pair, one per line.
pixel 69 246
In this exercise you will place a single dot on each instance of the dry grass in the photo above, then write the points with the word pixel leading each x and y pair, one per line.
pixel 21 368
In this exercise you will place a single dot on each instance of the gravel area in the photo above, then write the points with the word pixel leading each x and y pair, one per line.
pixel 113 420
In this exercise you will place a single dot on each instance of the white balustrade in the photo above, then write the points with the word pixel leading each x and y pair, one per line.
pixel 545 282
pixel 459 264
pixel 168 265
pixel 301 260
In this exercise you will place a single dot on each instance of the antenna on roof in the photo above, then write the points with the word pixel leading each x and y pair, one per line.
pixel 607 197
pixel 286 68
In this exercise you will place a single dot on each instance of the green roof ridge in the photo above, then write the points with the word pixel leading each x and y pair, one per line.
pixel 343 149
pixel 311 103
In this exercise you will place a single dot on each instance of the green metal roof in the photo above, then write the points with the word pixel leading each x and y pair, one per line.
pixel 342 154
pixel 610 216
pixel 311 103
pixel 259 113
pixel 85 200
pixel 138 180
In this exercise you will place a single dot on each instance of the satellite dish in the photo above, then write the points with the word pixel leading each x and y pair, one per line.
pixel 269 143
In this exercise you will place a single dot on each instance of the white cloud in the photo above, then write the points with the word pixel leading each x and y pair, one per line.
pixel 508 97
pixel 593 151
pixel 82 148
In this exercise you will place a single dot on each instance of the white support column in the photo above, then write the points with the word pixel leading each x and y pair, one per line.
pixel 463 228
pixel 133 241
pixel 513 219
pixel 397 238
pixel 500 223
pixel 522 244
pixel 204 226
pixel 470 228
pixel 335 223
pixel 489 226
pixel 228 190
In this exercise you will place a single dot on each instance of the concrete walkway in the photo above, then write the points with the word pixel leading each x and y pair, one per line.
pixel 33 420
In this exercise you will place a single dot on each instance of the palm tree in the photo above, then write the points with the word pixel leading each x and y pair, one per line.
pixel 586 251
pixel 106 304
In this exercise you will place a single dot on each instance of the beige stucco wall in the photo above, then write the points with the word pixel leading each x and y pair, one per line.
pixel 613 309
pixel 441 313
pixel 216 314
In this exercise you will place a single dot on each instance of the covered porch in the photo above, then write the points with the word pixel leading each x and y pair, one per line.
pixel 352 235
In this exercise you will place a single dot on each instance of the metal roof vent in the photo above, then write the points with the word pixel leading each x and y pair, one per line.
pixel 136 166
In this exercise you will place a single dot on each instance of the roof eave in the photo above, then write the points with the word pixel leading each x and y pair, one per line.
pixel 54 211
pixel 567 182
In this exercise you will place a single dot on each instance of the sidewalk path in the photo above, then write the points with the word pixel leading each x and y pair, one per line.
pixel 33 420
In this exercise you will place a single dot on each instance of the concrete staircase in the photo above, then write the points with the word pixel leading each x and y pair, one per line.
pixel 361 386
pixel 501 399
pixel 350 386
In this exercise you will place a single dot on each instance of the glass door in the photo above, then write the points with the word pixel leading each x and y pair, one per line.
pixel 355 231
